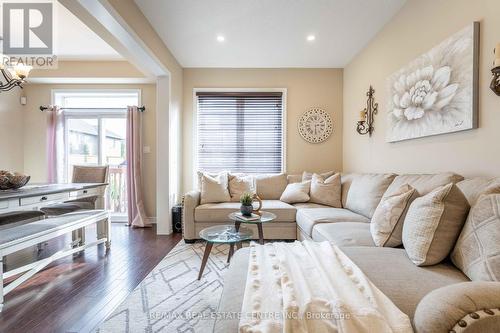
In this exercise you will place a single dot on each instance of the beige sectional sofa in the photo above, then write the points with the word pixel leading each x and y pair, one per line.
pixel 269 188
pixel 437 298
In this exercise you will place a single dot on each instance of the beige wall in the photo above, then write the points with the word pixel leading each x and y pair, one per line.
pixel 35 162
pixel 11 131
pixel 420 25
pixel 89 69
pixel 305 88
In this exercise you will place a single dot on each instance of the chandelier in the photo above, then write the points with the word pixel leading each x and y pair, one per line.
pixel 14 76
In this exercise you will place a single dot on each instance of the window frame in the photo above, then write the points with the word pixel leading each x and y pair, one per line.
pixel 283 91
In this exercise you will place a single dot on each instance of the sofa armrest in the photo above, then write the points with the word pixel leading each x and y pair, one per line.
pixel 191 201
pixel 463 307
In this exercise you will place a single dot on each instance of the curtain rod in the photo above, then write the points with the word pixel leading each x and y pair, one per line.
pixel 44 108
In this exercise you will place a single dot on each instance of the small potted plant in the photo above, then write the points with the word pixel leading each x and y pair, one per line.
pixel 246 200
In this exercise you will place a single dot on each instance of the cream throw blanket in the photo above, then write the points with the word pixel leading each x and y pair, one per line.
pixel 313 287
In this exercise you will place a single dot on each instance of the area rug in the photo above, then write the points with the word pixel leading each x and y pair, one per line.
pixel 170 298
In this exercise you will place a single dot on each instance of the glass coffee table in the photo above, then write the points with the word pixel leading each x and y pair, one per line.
pixel 265 217
pixel 222 234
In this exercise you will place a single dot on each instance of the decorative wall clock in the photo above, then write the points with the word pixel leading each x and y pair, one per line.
pixel 315 125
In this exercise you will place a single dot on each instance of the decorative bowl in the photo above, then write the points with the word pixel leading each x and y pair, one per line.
pixel 12 180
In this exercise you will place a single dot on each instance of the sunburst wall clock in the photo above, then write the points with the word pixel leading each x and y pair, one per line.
pixel 315 125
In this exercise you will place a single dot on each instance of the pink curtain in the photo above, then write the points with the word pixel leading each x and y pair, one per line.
pixel 136 212
pixel 54 144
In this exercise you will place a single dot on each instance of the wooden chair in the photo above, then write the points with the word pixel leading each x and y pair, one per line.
pixel 81 174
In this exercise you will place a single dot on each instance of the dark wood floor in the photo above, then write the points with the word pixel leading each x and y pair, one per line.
pixel 76 293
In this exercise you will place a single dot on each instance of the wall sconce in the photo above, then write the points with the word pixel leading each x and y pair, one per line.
pixel 14 76
pixel 365 125
pixel 495 82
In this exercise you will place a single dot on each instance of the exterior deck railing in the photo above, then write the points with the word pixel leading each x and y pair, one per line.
pixel 116 200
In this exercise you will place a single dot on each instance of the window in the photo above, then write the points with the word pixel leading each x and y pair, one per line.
pixel 95 134
pixel 240 132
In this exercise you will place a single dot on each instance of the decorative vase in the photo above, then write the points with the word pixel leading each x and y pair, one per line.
pixel 246 210
pixel 12 180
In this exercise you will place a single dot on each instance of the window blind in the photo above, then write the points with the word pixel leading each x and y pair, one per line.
pixel 240 132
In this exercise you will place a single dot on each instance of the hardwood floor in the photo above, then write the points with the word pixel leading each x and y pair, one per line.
pixel 76 293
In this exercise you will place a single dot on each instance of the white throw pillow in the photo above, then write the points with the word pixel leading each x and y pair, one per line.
pixel 214 189
pixel 239 184
pixel 296 192
pixel 433 223
pixel 477 251
pixel 387 222
pixel 326 191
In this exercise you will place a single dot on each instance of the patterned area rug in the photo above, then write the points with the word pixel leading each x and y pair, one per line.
pixel 170 298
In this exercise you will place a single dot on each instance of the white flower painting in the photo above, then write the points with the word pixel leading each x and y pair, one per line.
pixel 437 92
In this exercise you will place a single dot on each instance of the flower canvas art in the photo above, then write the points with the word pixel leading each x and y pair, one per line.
pixel 437 92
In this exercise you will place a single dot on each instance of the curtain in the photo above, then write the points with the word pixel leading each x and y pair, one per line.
pixel 55 145
pixel 136 212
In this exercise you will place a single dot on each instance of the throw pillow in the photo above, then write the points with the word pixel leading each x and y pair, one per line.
pixel 270 186
pixel 200 175
pixel 214 189
pixel 366 191
pixel 309 175
pixel 296 192
pixel 477 252
pixel 239 184
pixel 326 191
pixel 433 223
pixel 387 222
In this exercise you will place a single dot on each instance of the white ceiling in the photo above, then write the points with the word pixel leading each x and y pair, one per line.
pixel 75 41
pixel 267 33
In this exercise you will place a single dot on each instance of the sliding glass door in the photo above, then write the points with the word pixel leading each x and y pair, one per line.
pixel 95 134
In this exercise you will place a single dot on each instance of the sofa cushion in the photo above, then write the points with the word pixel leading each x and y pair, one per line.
pixel 326 191
pixel 472 188
pixel 294 178
pixel 344 234
pixel 270 187
pixel 387 222
pixel 396 276
pixel 477 251
pixel 433 224
pixel 302 205
pixel 307 218
pixel 346 182
pixel 219 212
pixel 366 191
pixel 306 175
pixel 423 183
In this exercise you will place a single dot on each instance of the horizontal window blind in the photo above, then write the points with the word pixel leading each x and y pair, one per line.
pixel 240 132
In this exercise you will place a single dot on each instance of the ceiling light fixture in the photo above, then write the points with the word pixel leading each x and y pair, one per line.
pixel 14 76
pixel 220 38
pixel 311 38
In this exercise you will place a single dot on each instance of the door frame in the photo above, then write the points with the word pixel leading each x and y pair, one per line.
pixel 99 115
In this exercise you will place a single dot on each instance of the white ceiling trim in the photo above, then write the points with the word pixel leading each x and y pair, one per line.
pixel 91 80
